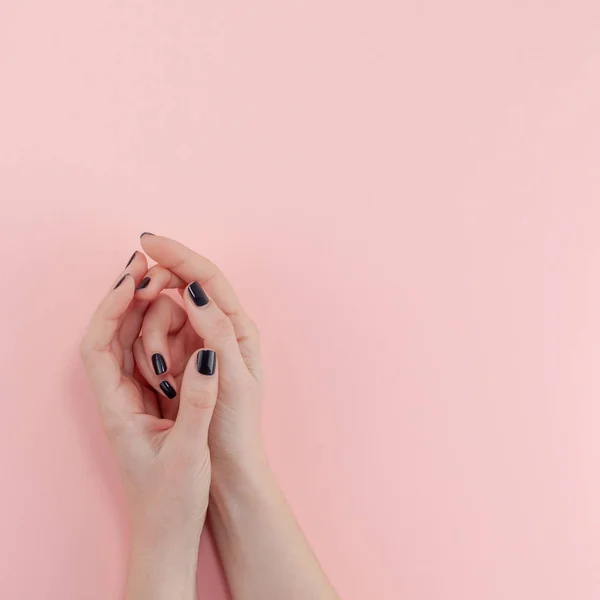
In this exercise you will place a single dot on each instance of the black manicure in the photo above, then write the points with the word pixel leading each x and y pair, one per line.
pixel 167 388
pixel 159 364
pixel 143 283
pixel 131 259
pixel 206 362
pixel 120 281
pixel 146 233
pixel 197 294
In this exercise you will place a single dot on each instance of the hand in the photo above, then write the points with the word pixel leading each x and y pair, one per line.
pixel 211 315
pixel 165 462
pixel 262 548
pixel 161 438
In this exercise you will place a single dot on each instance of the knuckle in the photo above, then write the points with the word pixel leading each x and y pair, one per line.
pixel 138 344
pixel 84 349
pixel 113 424
pixel 162 302
pixel 201 400
pixel 157 309
pixel 250 354
pixel 253 330
pixel 222 328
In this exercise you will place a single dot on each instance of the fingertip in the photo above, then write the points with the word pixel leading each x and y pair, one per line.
pixel 197 294
pixel 125 282
pixel 155 280
pixel 167 389
pixel 144 283
pixel 133 256
pixel 159 364
pixel 118 284
pixel 146 239
pixel 206 362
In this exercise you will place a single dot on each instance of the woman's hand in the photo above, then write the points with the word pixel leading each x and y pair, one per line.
pixel 211 316
pixel 262 548
pixel 165 463
pixel 157 395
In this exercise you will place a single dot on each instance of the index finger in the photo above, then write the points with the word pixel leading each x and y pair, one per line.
pixel 190 266
pixel 97 347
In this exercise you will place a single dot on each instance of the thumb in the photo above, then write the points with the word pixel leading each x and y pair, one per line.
pixel 197 399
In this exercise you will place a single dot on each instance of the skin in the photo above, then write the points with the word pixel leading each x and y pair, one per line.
pixel 204 447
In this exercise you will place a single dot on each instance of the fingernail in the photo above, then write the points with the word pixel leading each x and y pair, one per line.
pixel 143 283
pixel 206 362
pixel 131 259
pixel 146 233
pixel 159 364
pixel 197 294
pixel 168 390
pixel 120 281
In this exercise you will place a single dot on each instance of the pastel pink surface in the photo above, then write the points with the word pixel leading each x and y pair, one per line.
pixel 405 195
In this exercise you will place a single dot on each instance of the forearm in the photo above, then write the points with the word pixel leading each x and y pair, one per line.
pixel 264 553
pixel 163 565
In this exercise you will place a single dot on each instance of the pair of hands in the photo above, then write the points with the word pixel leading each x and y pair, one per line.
pixel 167 445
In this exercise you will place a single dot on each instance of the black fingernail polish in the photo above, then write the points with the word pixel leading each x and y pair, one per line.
pixel 159 364
pixel 206 362
pixel 131 259
pixel 167 388
pixel 143 283
pixel 146 233
pixel 120 281
pixel 197 294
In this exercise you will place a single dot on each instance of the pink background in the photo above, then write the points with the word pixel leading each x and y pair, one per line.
pixel 405 194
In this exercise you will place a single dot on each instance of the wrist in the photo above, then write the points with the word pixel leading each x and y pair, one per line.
pixel 166 524
pixel 163 565
pixel 163 538
pixel 239 474
pixel 241 495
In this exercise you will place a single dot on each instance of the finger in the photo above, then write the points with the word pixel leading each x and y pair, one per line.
pixel 136 266
pixel 155 280
pixel 198 398
pixel 149 396
pixel 213 326
pixel 129 332
pixel 163 317
pixel 102 365
pixel 132 321
pixel 190 266
pixel 164 385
